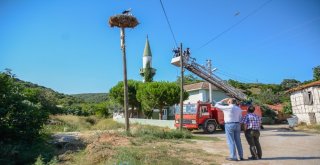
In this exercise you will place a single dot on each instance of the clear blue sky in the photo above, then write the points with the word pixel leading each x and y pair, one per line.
pixel 69 47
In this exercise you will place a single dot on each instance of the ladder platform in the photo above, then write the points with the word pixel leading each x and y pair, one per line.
pixel 176 61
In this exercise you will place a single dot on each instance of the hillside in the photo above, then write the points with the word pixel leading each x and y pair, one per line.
pixel 92 97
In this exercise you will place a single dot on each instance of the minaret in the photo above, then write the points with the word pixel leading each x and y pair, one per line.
pixel 147 72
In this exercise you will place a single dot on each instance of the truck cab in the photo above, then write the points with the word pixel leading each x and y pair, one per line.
pixel 204 115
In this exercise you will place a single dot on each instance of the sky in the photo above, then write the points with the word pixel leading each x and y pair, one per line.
pixel 69 47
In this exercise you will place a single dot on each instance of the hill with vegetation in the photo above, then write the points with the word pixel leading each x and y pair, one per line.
pixel 92 97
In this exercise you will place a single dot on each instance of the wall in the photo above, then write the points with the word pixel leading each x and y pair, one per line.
pixel 160 123
pixel 203 95
pixel 301 109
pixel 194 97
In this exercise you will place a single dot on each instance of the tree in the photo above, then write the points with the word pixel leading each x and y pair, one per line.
pixel 158 95
pixel 316 73
pixel 19 117
pixel 188 79
pixel 116 93
pixel 268 97
pixel 287 84
pixel 149 73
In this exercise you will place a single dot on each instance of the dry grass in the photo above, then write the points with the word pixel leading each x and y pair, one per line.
pixel 70 123
pixel 313 128
pixel 113 148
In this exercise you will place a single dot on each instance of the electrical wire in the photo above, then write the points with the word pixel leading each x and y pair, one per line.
pixel 165 14
pixel 234 25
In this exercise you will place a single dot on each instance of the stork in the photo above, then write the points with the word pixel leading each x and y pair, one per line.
pixel 127 11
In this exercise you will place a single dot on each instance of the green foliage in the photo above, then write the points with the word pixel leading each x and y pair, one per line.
pixel 316 73
pixel 287 109
pixel 158 95
pixel 62 123
pixel 267 112
pixel 150 133
pixel 19 117
pixel 188 79
pixel 26 152
pixel 287 84
pixel 92 97
pixel 116 93
pixel 148 73
pixel 268 97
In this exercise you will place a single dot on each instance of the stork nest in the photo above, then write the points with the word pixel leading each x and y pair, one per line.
pixel 123 21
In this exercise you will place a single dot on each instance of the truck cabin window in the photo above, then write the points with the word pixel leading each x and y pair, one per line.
pixel 187 109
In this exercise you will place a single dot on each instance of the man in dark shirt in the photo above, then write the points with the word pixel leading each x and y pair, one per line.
pixel 252 124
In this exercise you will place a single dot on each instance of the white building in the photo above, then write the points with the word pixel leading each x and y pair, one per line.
pixel 200 92
pixel 305 101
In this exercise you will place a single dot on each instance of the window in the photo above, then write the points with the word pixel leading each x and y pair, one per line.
pixel 308 98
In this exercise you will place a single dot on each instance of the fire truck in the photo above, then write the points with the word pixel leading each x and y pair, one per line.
pixel 203 115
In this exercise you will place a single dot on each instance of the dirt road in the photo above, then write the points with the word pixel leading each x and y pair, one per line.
pixel 280 146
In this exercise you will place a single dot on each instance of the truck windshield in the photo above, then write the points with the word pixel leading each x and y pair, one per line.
pixel 187 109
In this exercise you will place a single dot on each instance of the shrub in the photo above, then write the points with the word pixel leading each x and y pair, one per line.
pixel 153 132
pixel 19 118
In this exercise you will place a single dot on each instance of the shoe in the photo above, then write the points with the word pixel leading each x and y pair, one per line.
pixel 230 159
pixel 252 158
pixel 241 159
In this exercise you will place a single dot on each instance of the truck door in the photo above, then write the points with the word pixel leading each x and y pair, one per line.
pixel 204 111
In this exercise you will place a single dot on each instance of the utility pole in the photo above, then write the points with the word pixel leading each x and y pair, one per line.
pixel 181 87
pixel 125 82
pixel 124 20
pixel 209 66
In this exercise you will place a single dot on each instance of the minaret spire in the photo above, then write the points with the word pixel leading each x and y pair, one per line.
pixel 147 72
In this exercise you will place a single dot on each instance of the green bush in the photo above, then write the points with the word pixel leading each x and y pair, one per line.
pixel 19 117
pixel 153 132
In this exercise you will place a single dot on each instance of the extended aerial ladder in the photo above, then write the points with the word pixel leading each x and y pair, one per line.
pixel 206 74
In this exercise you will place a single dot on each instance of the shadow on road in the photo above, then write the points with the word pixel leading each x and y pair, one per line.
pixel 291 158
pixel 201 132
pixel 292 135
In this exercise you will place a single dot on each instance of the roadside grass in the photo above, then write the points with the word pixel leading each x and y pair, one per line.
pixel 27 152
pixel 314 128
pixel 143 145
pixel 70 123
pixel 206 138
pixel 158 152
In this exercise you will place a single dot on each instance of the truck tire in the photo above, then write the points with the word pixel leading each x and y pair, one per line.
pixel 210 127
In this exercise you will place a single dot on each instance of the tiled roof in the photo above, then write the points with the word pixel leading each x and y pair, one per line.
pixel 198 86
pixel 315 83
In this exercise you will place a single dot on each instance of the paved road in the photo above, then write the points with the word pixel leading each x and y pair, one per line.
pixel 280 146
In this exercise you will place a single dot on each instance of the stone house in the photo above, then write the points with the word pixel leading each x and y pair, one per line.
pixel 305 101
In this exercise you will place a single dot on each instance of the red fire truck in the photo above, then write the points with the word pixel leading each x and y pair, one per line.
pixel 205 116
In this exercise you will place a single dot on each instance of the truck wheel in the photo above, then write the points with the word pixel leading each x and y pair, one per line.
pixel 210 127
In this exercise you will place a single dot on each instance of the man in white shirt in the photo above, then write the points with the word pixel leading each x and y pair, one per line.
pixel 232 117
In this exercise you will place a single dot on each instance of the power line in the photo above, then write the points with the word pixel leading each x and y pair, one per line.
pixel 165 14
pixel 236 24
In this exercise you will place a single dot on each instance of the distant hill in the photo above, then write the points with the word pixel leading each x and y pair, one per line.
pixel 92 97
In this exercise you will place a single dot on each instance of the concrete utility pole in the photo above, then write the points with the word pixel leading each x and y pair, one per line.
pixel 124 20
pixel 181 87
pixel 209 66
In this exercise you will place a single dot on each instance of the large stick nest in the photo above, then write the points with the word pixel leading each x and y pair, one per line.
pixel 123 21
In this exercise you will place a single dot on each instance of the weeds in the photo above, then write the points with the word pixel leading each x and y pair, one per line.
pixel 310 128
pixel 70 123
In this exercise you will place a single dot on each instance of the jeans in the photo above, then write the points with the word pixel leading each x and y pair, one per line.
pixel 233 139
pixel 252 137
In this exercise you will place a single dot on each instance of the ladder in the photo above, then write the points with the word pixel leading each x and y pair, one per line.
pixel 201 71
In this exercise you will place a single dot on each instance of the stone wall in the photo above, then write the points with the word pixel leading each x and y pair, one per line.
pixel 301 109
